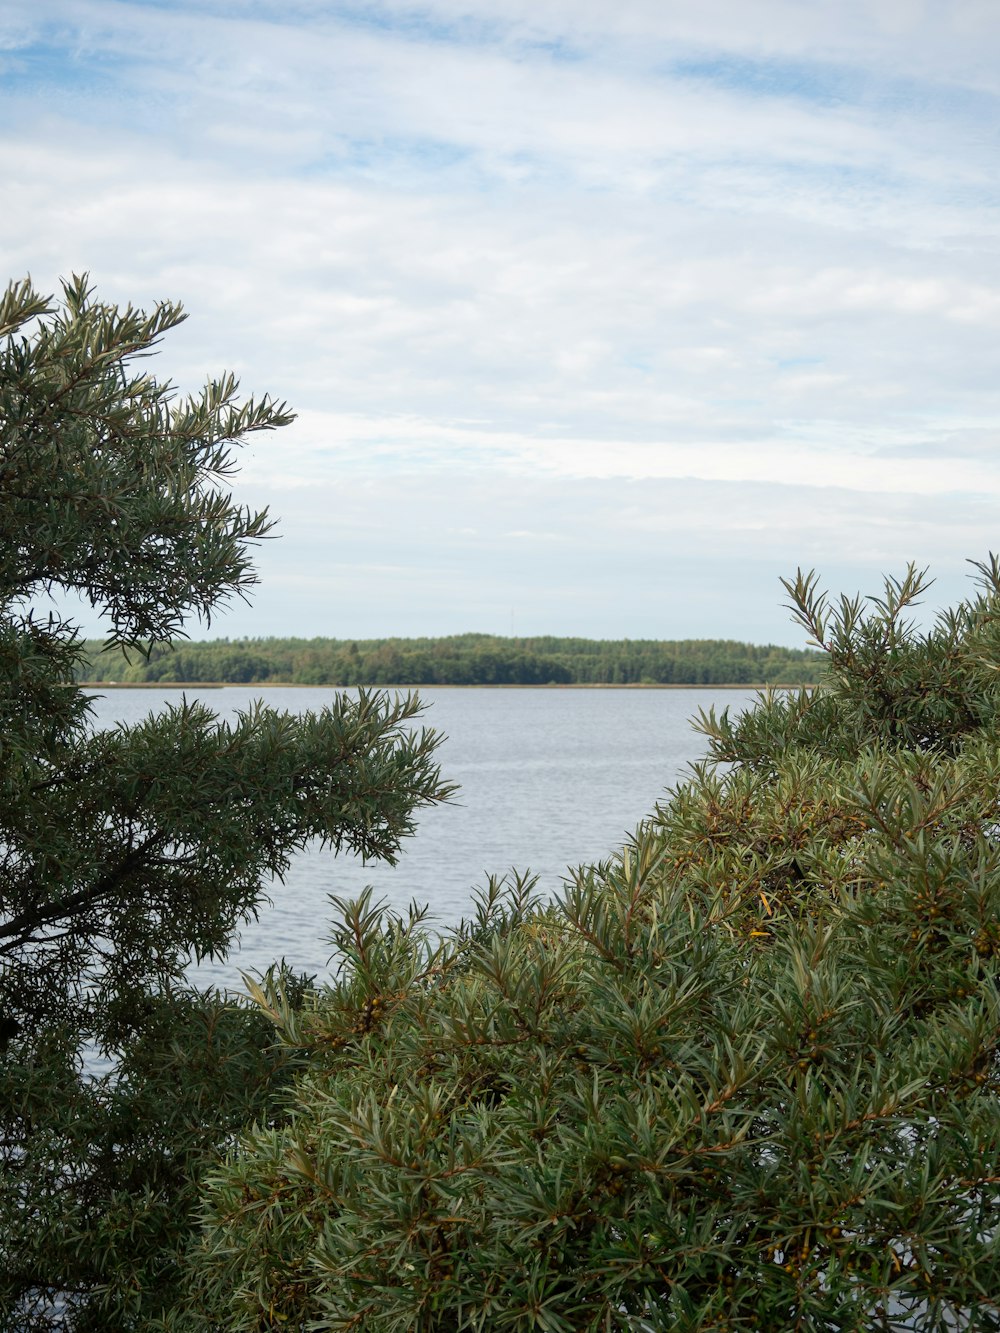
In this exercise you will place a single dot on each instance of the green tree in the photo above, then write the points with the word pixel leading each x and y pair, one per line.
pixel 742 1076
pixel 124 852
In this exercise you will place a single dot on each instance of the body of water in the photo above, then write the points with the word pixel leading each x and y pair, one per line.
pixel 549 779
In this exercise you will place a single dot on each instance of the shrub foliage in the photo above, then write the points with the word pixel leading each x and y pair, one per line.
pixel 125 852
pixel 742 1075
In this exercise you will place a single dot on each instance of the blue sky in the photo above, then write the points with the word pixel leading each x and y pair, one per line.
pixel 598 318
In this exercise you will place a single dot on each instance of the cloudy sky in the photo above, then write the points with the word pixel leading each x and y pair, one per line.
pixel 598 315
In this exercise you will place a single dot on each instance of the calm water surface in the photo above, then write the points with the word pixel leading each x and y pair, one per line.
pixel 549 779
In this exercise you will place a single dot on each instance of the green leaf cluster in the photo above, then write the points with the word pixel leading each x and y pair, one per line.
pixel 125 853
pixel 743 1075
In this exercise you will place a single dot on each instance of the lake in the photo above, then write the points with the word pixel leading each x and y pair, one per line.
pixel 550 778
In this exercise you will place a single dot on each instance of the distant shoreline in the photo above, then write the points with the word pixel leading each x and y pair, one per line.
pixel 295 685
pixel 458 661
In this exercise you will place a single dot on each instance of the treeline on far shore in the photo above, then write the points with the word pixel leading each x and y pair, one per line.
pixel 461 659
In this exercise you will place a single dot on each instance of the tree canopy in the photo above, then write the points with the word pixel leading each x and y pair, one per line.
pixel 461 659
pixel 743 1075
pixel 124 853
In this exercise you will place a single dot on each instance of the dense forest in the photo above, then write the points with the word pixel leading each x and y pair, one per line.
pixel 462 659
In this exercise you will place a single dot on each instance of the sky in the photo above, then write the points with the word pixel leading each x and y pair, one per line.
pixel 598 316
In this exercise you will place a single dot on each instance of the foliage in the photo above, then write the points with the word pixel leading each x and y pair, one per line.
pixel 463 659
pixel 125 852
pixel 743 1075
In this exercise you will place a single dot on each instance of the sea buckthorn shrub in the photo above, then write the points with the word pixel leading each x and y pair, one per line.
pixel 126 851
pixel 742 1075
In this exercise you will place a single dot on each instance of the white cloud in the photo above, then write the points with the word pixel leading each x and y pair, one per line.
pixel 741 248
